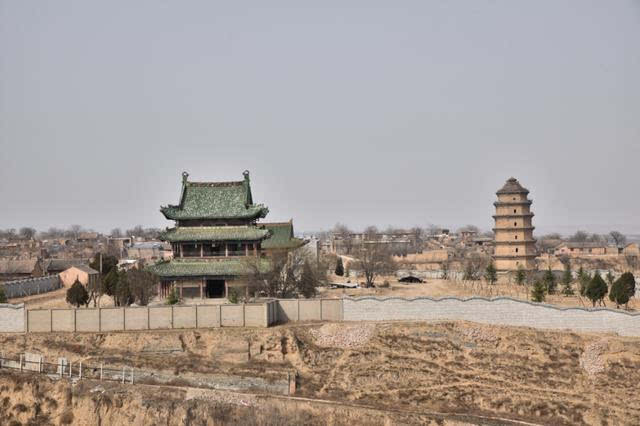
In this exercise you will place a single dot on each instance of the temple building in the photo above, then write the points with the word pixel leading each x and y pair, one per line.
pixel 217 239
pixel 514 244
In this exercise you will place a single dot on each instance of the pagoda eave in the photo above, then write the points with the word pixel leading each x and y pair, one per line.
pixel 514 215
pixel 521 228
pixel 515 257
pixel 515 242
pixel 513 203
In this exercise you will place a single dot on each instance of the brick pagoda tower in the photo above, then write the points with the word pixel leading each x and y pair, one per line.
pixel 515 246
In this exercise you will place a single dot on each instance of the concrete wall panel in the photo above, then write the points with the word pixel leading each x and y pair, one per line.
pixel 11 318
pixel 160 318
pixel 184 317
pixel 39 320
pixel 136 319
pixel 112 319
pixel 254 315
pixel 208 316
pixel 63 320
pixel 88 320
pixel 331 309
pixel 287 310
pixel 232 315
pixel 310 310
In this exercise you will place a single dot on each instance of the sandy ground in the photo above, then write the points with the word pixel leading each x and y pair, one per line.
pixel 443 288
pixel 398 368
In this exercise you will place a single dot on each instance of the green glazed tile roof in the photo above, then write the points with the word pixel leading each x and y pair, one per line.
pixel 215 200
pixel 222 267
pixel 281 236
pixel 214 233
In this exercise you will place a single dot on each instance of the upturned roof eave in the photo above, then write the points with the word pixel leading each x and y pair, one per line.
pixel 260 213
pixel 172 235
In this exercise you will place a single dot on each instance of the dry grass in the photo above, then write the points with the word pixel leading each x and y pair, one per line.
pixel 451 367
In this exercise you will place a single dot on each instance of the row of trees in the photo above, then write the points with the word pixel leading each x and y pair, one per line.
pixel 290 275
pixel 126 287
pixel 134 286
pixel 73 231
pixel 593 287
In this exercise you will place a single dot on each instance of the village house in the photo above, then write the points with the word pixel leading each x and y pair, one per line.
pixel 217 241
pixel 55 266
pixel 20 269
pixel 631 249
pixel 398 243
pixel 574 249
pixel 149 251
pixel 83 273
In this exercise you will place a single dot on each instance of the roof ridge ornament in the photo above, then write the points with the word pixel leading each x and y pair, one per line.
pixel 246 175
pixel 185 175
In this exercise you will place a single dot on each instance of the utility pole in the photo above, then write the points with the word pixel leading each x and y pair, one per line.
pixel 100 282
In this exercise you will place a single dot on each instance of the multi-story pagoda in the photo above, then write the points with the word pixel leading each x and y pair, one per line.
pixel 216 239
pixel 514 244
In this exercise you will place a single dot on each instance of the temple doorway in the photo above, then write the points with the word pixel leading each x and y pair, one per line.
pixel 215 289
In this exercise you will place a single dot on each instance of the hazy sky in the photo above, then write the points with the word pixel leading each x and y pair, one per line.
pixel 363 112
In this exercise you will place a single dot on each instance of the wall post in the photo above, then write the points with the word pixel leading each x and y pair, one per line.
pixel 50 320
pixel 298 306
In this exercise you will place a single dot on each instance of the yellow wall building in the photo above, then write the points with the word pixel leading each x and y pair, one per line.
pixel 515 246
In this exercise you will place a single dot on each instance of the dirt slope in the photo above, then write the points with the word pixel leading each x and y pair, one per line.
pixel 454 368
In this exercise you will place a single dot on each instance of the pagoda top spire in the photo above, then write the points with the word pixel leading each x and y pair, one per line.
pixel 512 186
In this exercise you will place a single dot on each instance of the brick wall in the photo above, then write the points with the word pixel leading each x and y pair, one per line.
pixel 500 311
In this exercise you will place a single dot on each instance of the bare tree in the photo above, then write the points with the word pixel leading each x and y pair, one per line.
pixel 344 234
pixel 374 259
pixel 137 231
pixel 474 263
pixel 285 275
pixel 371 233
pixel 469 228
pixel 433 230
pixel 53 232
pixel 618 238
pixel 142 285
pixel 27 233
pixel 116 233
pixel 579 237
pixel 75 231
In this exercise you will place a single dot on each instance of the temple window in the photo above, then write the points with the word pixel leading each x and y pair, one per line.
pixel 190 250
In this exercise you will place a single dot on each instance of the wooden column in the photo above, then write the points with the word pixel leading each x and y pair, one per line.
pixel 246 250
pixel 226 250
pixel 201 286
pixel 255 249
pixel 201 250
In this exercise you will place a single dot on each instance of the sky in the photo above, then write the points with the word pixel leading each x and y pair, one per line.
pixel 396 113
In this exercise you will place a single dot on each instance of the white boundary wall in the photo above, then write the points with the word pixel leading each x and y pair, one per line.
pixel 500 311
pixel 11 318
